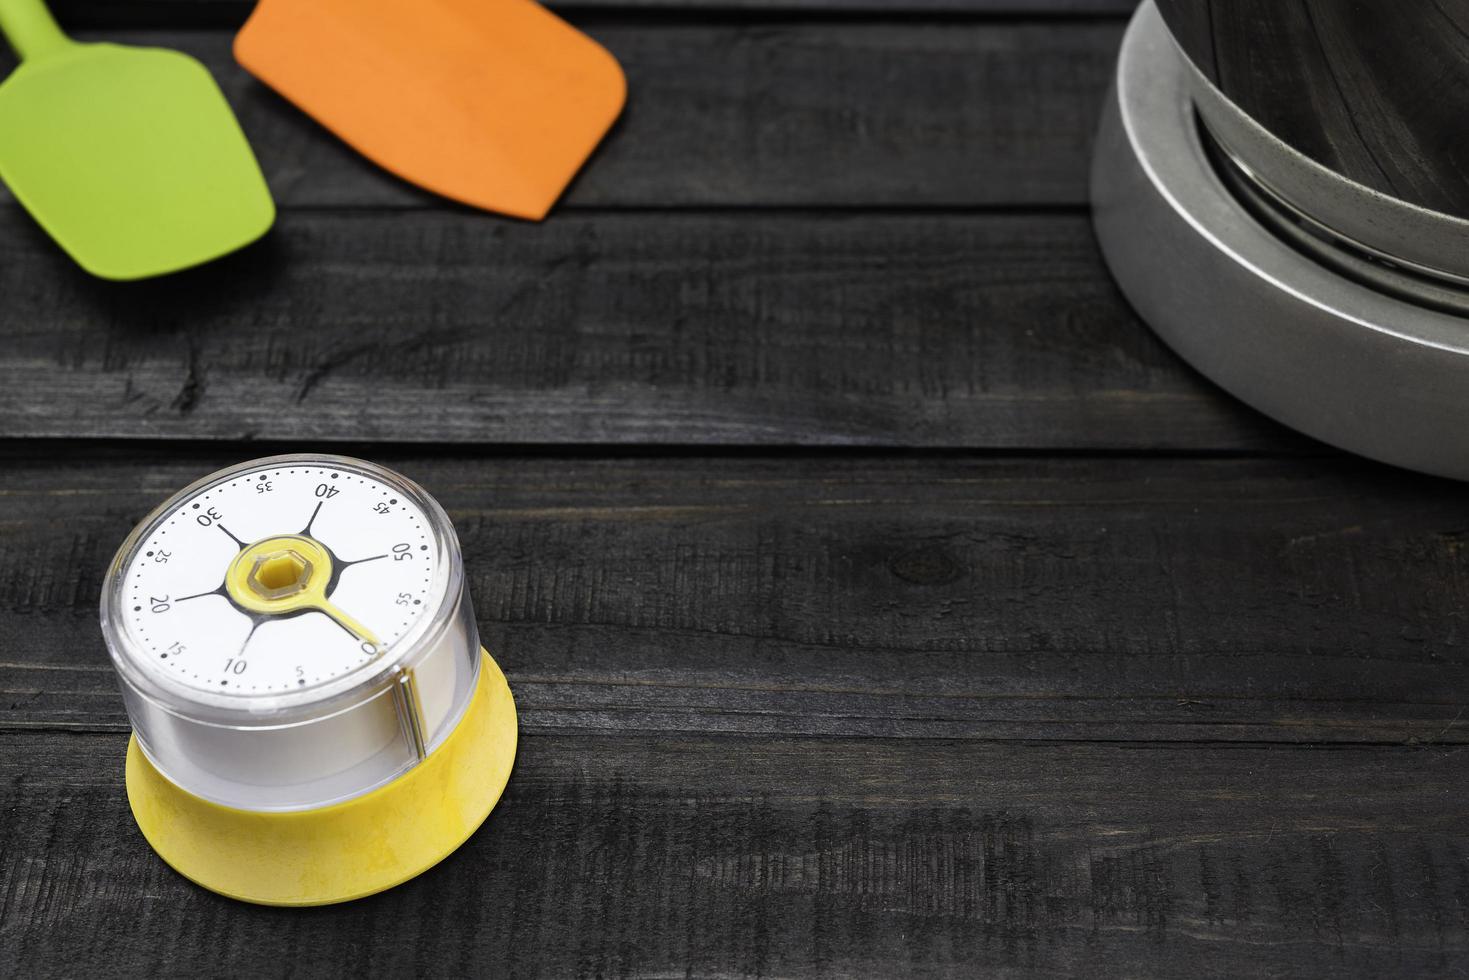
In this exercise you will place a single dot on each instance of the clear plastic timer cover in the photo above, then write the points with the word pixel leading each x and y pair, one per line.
pixel 291 632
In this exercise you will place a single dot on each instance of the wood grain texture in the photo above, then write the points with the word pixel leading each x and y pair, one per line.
pixel 917 330
pixel 1106 599
pixel 615 856
pixel 772 114
pixel 232 13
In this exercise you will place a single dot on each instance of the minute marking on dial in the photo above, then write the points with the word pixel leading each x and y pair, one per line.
pixel 255 622
pixel 306 531
pixel 229 535
pixel 217 590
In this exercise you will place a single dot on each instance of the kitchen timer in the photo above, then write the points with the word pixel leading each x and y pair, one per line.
pixel 314 719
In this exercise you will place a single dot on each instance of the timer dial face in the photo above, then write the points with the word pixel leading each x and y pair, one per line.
pixel 184 609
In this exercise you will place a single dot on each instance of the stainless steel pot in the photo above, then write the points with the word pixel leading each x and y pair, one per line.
pixel 1349 113
pixel 1236 202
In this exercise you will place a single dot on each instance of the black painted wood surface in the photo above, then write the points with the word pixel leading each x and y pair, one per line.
pixel 791 113
pixel 958 597
pixel 957 330
pixel 880 597
pixel 649 855
pixel 232 13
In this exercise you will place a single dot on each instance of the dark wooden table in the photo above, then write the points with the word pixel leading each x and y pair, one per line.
pixel 880 596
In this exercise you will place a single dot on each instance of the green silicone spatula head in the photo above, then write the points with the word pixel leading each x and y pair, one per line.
pixel 129 157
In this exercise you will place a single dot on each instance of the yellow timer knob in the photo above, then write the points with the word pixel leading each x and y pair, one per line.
pixel 288 574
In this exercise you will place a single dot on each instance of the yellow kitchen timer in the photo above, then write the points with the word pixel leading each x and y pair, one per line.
pixel 314 719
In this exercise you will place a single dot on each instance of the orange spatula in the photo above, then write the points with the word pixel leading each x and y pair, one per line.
pixel 495 103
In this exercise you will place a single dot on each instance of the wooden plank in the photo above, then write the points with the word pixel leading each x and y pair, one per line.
pixel 621 856
pixel 914 330
pixel 232 13
pixel 909 598
pixel 774 114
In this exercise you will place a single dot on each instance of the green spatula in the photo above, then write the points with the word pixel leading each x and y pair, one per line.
pixel 129 157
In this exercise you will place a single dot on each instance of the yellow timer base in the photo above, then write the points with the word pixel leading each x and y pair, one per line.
pixel 350 849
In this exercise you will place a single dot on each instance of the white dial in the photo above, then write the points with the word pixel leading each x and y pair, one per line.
pixel 280 578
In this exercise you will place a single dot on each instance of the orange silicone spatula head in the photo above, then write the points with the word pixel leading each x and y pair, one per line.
pixel 495 103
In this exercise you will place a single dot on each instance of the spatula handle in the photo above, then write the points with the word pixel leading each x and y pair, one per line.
pixel 30 28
